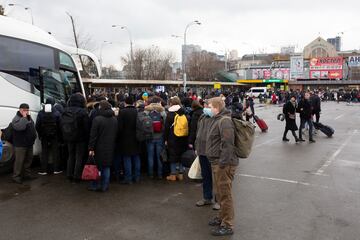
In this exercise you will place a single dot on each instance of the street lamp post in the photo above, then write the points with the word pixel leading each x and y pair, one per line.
pixel 196 22
pixel 131 47
pixel 101 48
pixel 26 8
pixel 225 54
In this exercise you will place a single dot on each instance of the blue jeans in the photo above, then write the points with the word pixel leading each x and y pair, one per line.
pixel 154 147
pixel 302 125
pixel 117 164
pixel 206 174
pixel 129 173
pixel 173 170
pixel 104 181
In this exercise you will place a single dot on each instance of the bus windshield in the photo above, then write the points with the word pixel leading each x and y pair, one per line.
pixel 22 59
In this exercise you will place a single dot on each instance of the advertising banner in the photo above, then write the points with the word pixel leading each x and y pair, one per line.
pixel 278 73
pixel 326 68
pixel 296 67
pixel 354 61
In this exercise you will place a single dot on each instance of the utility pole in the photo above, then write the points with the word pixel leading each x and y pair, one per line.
pixel 76 40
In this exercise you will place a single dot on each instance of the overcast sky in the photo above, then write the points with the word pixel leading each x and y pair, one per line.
pixel 246 26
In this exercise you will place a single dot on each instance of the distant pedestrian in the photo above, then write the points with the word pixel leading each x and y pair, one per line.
pixel 289 111
pixel 24 136
pixel 304 108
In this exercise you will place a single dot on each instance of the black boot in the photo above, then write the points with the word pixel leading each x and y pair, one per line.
pixel 286 139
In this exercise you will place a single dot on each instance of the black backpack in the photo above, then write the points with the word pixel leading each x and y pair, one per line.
pixel 69 126
pixel 48 125
pixel 144 127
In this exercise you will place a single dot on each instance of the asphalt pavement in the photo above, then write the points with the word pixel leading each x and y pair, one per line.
pixel 282 191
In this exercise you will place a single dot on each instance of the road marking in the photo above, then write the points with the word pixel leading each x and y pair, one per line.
pixel 328 162
pixel 293 182
pixel 265 143
pixel 340 116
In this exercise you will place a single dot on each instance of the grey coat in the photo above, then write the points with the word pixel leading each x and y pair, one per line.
pixel 201 134
pixel 220 148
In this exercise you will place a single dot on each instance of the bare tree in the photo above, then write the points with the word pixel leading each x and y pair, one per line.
pixel 149 63
pixel 203 66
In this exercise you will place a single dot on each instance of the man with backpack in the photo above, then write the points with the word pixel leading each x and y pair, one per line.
pixel 48 128
pixel 220 151
pixel 75 132
pixel 155 145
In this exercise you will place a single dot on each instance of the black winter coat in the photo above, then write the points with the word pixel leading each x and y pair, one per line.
pixel 176 145
pixel 24 133
pixel 304 108
pixel 39 123
pixel 195 115
pixel 77 104
pixel 290 111
pixel 103 137
pixel 315 104
pixel 128 144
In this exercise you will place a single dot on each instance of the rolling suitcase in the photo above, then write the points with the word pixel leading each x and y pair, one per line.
pixel 261 123
pixel 327 130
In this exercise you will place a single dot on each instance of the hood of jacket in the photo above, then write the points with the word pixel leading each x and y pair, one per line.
pixel 155 107
pixel 77 100
pixel 223 113
pixel 108 113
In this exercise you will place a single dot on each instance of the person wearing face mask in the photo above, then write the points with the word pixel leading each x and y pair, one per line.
pixel 200 146
pixel 220 151
pixel 304 108
pixel 289 111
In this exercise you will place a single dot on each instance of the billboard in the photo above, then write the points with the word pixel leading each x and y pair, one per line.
pixel 354 61
pixel 278 73
pixel 326 68
pixel 296 67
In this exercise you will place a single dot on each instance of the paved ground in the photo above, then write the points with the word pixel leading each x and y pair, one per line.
pixel 283 191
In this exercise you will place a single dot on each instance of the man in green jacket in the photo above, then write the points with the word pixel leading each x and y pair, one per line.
pixel 221 152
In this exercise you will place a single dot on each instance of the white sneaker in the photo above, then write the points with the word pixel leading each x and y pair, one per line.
pixel 57 172
pixel 42 173
pixel 216 206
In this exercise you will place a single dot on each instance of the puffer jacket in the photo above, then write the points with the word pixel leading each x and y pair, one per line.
pixel 24 133
pixel 220 148
pixel 201 134
pixel 157 107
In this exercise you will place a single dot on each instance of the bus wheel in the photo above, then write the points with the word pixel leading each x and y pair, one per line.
pixel 8 157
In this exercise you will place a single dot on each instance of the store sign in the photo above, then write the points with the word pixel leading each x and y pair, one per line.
pixel 217 85
pixel 354 61
pixel 278 73
pixel 296 67
pixel 326 68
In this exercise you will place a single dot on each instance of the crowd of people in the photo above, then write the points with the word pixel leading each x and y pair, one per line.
pixel 128 132
pixel 122 134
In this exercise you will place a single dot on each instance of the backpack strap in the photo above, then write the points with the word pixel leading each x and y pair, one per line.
pixel 175 118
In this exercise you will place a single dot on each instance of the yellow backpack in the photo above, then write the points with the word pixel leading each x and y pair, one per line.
pixel 181 127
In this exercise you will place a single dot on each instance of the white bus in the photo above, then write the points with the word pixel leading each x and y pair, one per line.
pixel 33 66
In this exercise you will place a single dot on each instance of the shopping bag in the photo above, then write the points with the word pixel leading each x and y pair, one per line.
pixel 91 171
pixel 195 170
